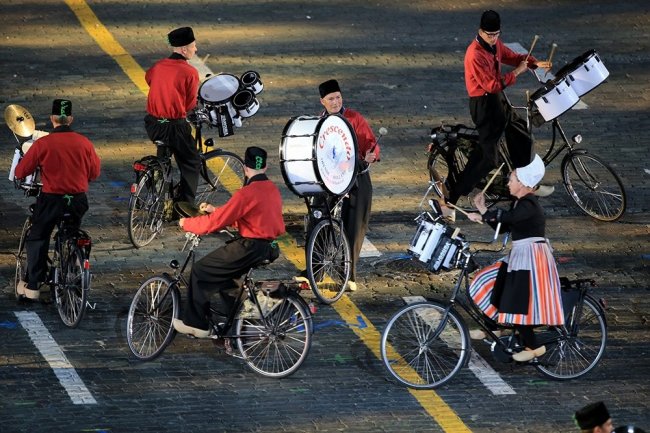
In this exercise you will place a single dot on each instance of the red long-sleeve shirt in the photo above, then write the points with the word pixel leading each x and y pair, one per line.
pixel 255 210
pixel 365 137
pixel 483 69
pixel 173 88
pixel 67 159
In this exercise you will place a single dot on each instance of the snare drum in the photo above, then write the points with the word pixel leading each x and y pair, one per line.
pixel 251 80
pixel 245 103
pixel 584 73
pixel 554 98
pixel 219 89
pixel 446 255
pixel 318 155
pixel 425 240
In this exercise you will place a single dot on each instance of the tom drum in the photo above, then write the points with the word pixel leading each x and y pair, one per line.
pixel 584 73
pixel 554 98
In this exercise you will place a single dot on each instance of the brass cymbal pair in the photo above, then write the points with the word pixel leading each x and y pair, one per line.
pixel 19 120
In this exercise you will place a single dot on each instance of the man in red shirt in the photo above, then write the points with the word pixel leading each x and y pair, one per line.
pixel 490 112
pixel 356 206
pixel 256 211
pixel 173 89
pixel 67 161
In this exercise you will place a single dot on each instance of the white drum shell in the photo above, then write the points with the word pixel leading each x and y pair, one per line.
pixel 251 80
pixel 557 99
pixel 313 161
pixel 425 240
pixel 588 75
pixel 245 103
pixel 219 89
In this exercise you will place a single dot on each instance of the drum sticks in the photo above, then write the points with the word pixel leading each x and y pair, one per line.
pixel 550 57
pixel 532 46
pixel 460 210
pixel 492 178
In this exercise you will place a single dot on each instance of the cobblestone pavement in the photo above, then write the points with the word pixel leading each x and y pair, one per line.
pixel 401 65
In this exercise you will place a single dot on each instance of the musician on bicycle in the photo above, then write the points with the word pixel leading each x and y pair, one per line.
pixel 173 90
pixel 490 111
pixel 256 211
pixel 67 161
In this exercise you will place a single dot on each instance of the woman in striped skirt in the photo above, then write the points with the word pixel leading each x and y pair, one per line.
pixel 524 288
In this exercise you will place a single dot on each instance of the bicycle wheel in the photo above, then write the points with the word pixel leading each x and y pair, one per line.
pixel 71 284
pixel 149 327
pixel 594 186
pixel 421 351
pixel 21 257
pixel 276 345
pixel 221 175
pixel 328 261
pixel 576 347
pixel 147 208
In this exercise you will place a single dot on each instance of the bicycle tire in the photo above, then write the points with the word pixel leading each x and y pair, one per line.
pixel 222 173
pixel 71 284
pixel 594 186
pixel 21 257
pixel 147 207
pixel 276 345
pixel 328 261
pixel 419 355
pixel 579 346
pixel 149 328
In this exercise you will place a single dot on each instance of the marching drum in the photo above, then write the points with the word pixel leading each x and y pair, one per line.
pixel 446 255
pixel 318 155
pixel 425 240
pixel 245 103
pixel 251 80
pixel 219 89
pixel 584 73
pixel 554 98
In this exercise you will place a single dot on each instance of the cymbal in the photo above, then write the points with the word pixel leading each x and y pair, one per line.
pixel 19 120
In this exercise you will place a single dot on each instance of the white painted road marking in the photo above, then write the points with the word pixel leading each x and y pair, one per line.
pixel 54 356
pixel 481 369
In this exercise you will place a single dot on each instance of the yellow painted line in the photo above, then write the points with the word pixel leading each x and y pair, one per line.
pixel 428 399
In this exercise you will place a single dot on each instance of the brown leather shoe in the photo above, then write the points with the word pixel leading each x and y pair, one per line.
pixel 181 327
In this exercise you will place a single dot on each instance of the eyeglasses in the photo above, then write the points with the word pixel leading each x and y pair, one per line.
pixel 492 34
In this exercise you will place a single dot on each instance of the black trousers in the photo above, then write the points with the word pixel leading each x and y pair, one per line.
pixel 177 134
pixel 356 217
pixel 217 271
pixel 493 117
pixel 48 211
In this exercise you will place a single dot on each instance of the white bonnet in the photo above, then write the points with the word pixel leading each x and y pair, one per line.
pixel 531 174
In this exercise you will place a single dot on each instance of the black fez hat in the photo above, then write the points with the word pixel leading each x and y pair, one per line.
pixel 255 158
pixel 62 107
pixel 181 37
pixel 329 86
pixel 592 415
pixel 490 21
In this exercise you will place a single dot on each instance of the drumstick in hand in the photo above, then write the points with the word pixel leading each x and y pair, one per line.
pixel 550 57
pixel 460 210
pixel 492 178
pixel 532 46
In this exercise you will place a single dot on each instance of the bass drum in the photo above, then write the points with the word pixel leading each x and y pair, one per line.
pixel 584 73
pixel 318 155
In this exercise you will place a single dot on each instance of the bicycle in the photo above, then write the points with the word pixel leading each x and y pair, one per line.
pixel 327 249
pixel 425 344
pixel 270 323
pixel 154 190
pixel 588 179
pixel 69 274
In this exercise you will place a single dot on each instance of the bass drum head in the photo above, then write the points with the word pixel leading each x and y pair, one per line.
pixel 318 155
pixel 336 154
pixel 219 89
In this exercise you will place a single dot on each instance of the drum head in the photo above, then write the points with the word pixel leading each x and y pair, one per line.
pixel 336 154
pixel 219 89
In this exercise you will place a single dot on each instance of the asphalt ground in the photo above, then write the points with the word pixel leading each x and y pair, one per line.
pixel 401 66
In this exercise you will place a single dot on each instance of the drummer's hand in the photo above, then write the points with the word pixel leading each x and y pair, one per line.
pixel 544 64
pixel 206 207
pixel 523 67
pixel 476 217
pixel 479 202
pixel 181 222
pixel 370 157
